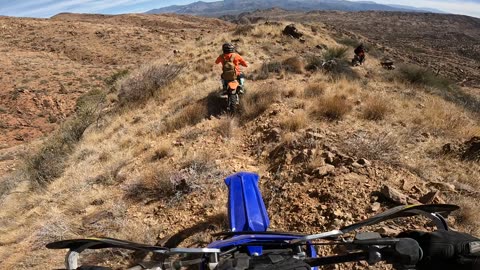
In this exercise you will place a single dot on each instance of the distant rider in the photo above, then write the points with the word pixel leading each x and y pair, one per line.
pixel 360 53
pixel 231 62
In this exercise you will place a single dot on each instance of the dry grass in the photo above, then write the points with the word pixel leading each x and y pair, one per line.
pixel 314 62
pixel 57 228
pixel 442 118
pixel 333 107
pixel 383 147
pixel 227 127
pixel 376 108
pixel 50 160
pixel 266 31
pixel 188 116
pixel 155 183
pixel 292 92
pixel 422 76
pixel 269 67
pixel 467 216
pixel 294 122
pixel 146 82
pixel 335 53
pixel 162 151
pixel 111 80
pixel 203 67
pixel 256 102
pixel 243 30
pixel 294 64
pixel 314 90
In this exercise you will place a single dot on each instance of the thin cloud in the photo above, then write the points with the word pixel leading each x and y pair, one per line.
pixel 46 8
pixel 466 7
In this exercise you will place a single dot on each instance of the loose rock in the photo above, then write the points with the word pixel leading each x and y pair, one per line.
pixel 396 196
pixel 432 197
pixel 291 30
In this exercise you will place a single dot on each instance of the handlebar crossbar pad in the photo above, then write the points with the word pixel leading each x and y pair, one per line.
pixel 100 243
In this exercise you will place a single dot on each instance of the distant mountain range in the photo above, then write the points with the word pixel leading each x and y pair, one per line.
pixel 219 8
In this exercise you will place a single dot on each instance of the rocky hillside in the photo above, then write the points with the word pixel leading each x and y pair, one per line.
pixel 48 64
pixel 144 153
pixel 446 44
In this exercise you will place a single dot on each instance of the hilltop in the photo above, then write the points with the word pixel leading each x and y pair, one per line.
pixel 144 144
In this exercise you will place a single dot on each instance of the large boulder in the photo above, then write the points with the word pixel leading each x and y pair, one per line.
pixel 291 30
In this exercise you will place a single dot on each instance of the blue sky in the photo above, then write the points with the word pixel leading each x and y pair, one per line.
pixel 47 8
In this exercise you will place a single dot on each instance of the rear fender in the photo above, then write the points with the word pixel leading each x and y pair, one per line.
pixel 233 85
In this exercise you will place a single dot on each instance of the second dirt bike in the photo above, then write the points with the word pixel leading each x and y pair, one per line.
pixel 358 60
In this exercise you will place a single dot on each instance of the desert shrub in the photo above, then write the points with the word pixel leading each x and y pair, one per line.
pixel 376 108
pixel 56 228
pixel 198 164
pixel 314 62
pixel 332 107
pixel 147 81
pixel 162 151
pixel 256 102
pixel 8 183
pixel 350 42
pixel 188 116
pixel 294 121
pixel 383 146
pixel 422 76
pixel 267 68
pixel 158 183
pixel 294 64
pixel 292 92
pixel 315 28
pixel 243 30
pixel 335 53
pixel 49 161
pixel 314 90
pixel 467 216
pixel 112 79
pixel 266 30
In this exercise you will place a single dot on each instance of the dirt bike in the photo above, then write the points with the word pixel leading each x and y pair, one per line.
pixel 358 60
pixel 248 244
pixel 233 99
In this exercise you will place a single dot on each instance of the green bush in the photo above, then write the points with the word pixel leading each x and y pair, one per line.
pixel 335 53
pixel 110 81
pixel 314 62
pixel 422 76
pixel 348 42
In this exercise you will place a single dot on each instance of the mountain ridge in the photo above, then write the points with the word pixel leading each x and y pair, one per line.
pixel 219 8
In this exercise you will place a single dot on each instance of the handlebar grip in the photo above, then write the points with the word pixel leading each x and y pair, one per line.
pixel 406 253
pixel 402 253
